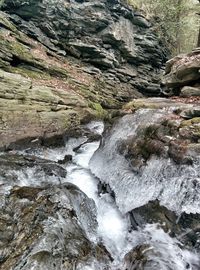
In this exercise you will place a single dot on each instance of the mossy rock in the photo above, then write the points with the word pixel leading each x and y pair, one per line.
pixel 152 103
pixel 100 113
pixel 188 123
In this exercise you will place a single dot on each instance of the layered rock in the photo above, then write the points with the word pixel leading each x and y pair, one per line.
pixel 108 34
pixel 43 95
pixel 182 74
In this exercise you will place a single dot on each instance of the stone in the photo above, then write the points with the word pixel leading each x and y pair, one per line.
pixel 190 113
pixel 19 168
pixel 154 103
pixel 46 227
pixel 182 70
pixel 188 91
pixel 34 111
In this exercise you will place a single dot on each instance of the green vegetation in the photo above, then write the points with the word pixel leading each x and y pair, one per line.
pixel 177 21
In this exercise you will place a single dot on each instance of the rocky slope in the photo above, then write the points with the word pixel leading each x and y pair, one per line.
pixel 65 62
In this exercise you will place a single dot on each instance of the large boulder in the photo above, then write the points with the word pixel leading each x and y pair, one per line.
pixel 183 70
pixel 48 228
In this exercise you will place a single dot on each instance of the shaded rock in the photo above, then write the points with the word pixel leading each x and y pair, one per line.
pixel 191 113
pixel 136 258
pixel 107 34
pixel 183 70
pixel 17 162
pixel 154 213
pixel 188 91
pixel 28 170
pixel 185 227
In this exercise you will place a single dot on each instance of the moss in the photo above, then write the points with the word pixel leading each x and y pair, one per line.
pixel 33 74
pixel 187 123
pixel 99 111
pixel 3 21
pixel 138 104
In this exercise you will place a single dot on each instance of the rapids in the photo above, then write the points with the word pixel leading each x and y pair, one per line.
pixel 113 226
pixel 163 252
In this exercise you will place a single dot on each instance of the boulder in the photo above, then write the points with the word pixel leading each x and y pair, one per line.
pixel 183 70
pixel 46 228
pixel 189 91
pixel 184 227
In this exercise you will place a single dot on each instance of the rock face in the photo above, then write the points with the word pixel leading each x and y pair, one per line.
pixel 30 111
pixel 74 61
pixel 182 74
pixel 43 95
pixel 107 34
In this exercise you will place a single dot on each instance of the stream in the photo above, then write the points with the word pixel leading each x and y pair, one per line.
pixel 113 226
pixel 163 251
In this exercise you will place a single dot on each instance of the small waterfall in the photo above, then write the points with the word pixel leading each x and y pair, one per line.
pixel 176 186
pixel 113 227
pixel 160 250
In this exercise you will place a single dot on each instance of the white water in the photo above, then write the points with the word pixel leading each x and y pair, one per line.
pixel 113 226
pixel 164 253
pixel 176 187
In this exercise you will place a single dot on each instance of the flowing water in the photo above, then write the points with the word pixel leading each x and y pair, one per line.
pixel 176 186
pixel 164 252
pixel 113 226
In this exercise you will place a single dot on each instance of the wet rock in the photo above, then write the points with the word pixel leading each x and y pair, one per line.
pixel 154 213
pixel 190 129
pixel 48 228
pixel 191 113
pixel 28 170
pixel 136 258
pixel 184 227
pixel 65 160
pixel 17 162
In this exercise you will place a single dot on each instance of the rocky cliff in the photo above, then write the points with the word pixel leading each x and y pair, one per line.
pixel 65 62
pixel 108 34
